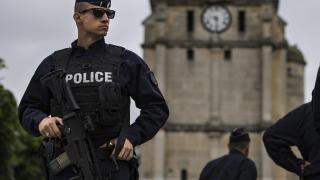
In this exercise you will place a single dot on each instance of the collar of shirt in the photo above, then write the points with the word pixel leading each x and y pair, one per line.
pixel 235 151
pixel 97 47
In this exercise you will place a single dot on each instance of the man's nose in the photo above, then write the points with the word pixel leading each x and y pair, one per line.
pixel 105 17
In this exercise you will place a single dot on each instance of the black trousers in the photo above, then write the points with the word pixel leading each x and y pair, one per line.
pixel 107 169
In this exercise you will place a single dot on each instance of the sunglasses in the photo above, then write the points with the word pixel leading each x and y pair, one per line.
pixel 98 12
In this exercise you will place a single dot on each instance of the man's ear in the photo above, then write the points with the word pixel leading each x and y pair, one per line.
pixel 77 17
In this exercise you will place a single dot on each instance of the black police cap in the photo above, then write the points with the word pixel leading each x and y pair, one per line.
pixel 104 3
pixel 239 135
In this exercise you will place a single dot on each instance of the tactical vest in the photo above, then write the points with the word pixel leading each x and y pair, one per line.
pixel 96 87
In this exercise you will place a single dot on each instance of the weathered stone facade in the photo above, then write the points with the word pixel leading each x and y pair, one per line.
pixel 215 82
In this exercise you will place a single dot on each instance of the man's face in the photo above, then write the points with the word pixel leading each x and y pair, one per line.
pixel 91 24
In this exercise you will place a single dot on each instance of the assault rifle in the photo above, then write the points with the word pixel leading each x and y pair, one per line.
pixel 79 151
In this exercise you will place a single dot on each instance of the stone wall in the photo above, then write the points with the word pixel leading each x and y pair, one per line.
pixel 209 94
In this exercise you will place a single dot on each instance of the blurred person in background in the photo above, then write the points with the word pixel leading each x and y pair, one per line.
pixel 234 166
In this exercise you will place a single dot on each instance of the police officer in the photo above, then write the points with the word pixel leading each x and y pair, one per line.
pixel 102 77
pixel 234 166
pixel 295 129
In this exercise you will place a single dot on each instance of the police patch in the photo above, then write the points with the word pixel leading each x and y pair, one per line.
pixel 92 77
pixel 153 78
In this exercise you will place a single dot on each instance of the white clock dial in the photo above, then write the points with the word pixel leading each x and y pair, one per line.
pixel 216 19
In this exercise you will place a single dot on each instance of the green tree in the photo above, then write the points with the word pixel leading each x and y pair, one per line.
pixel 2 65
pixel 8 138
pixel 7 113
pixel 26 161
pixel 18 151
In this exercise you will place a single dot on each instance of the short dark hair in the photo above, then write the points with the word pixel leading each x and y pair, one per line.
pixel 239 135
pixel 239 145
pixel 80 6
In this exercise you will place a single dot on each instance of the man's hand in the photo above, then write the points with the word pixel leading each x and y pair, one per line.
pixel 48 127
pixel 126 152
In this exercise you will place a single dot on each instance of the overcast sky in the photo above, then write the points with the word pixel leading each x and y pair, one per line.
pixel 31 30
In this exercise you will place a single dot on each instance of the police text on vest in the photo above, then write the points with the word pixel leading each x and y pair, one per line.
pixel 81 78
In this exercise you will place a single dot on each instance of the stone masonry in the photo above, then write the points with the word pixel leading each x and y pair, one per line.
pixel 209 93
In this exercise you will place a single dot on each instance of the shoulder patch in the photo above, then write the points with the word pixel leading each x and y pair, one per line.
pixel 153 78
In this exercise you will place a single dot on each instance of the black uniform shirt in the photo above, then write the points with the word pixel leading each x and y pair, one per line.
pixel 234 166
pixel 135 77
pixel 295 129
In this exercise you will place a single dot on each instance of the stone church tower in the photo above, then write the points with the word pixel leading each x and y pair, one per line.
pixel 221 64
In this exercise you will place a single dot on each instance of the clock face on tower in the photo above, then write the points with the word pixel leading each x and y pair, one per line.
pixel 216 19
